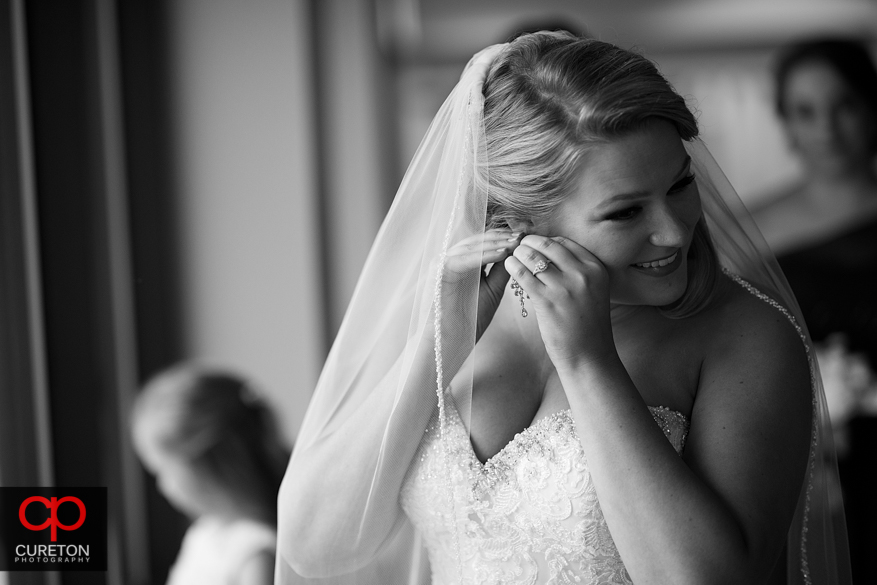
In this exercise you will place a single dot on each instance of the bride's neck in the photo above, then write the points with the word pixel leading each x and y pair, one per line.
pixel 620 314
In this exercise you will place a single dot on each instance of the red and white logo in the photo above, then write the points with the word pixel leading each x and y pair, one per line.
pixel 51 505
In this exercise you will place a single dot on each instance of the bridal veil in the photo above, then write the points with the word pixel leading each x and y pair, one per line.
pixel 403 341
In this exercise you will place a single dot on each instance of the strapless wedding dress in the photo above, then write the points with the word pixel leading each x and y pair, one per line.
pixel 529 515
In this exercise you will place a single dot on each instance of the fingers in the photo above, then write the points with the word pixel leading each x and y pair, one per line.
pixel 520 272
pixel 497 279
pixel 541 264
pixel 578 251
pixel 535 248
pixel 538 261
pixel 537 264
pixel 560 251
pixel 482 249
pixel 487 242
pixel 496 238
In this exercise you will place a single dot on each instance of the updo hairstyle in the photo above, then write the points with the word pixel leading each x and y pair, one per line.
pixel 215 422
pixel 549 98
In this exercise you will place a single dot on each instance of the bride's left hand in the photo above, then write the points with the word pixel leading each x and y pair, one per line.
pixel 571 298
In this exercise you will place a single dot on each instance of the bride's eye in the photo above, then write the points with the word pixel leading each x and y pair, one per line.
pixel 682 185
pixel 624 214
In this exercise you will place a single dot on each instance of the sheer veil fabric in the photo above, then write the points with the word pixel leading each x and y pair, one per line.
pixel 405 339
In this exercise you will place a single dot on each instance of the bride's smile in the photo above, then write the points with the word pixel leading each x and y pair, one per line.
pixel 635 208
pixel 661 262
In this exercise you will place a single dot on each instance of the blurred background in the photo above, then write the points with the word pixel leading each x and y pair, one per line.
pixel 202 179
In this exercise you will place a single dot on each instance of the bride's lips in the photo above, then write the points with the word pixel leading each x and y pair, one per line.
pixel 660 266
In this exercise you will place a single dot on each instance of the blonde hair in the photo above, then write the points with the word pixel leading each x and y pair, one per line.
pixel 548 99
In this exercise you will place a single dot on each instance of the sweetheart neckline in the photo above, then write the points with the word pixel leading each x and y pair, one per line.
pixel 536 425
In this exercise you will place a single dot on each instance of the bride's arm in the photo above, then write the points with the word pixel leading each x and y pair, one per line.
pixel 721 513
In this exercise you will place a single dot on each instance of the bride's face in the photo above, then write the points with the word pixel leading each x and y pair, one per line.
pixel 635 209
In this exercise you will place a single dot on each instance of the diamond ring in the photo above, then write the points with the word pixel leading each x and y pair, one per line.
pixel 541 266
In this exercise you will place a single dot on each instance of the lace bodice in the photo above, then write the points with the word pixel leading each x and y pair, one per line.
pixel 530 513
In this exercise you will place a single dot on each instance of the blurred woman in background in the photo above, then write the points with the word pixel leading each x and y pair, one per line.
pixel 217 457
pixel 823 228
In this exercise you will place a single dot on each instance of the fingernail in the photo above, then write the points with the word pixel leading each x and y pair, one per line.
pixel 515 236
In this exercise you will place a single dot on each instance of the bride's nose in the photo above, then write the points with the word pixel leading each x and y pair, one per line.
pixel 667 229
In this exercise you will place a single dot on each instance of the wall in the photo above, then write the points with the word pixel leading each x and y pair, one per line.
pixel 242 109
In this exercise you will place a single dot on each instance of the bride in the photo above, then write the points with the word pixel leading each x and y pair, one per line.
pixel 565 360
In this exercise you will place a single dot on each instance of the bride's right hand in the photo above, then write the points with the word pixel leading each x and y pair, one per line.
pixel 476 252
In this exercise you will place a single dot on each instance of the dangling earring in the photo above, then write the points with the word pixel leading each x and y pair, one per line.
pixel 519 292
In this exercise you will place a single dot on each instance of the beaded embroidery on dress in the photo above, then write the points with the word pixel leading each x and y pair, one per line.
pixel 530 513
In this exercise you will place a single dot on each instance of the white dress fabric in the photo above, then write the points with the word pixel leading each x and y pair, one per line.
pixel 215 550
pixel 530 512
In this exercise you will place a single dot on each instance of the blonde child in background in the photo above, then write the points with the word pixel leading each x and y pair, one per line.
pixel 217 457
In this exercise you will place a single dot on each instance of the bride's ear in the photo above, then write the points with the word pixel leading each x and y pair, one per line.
pixel 522 226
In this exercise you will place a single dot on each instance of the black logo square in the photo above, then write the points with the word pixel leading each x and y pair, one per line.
pixel 53 529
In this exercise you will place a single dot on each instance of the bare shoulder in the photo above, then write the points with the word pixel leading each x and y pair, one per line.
pixel 755 373
pixel 750 427
pixel 749 318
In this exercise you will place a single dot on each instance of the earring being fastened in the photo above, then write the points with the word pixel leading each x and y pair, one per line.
pixel 541 266
pixel 519 292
